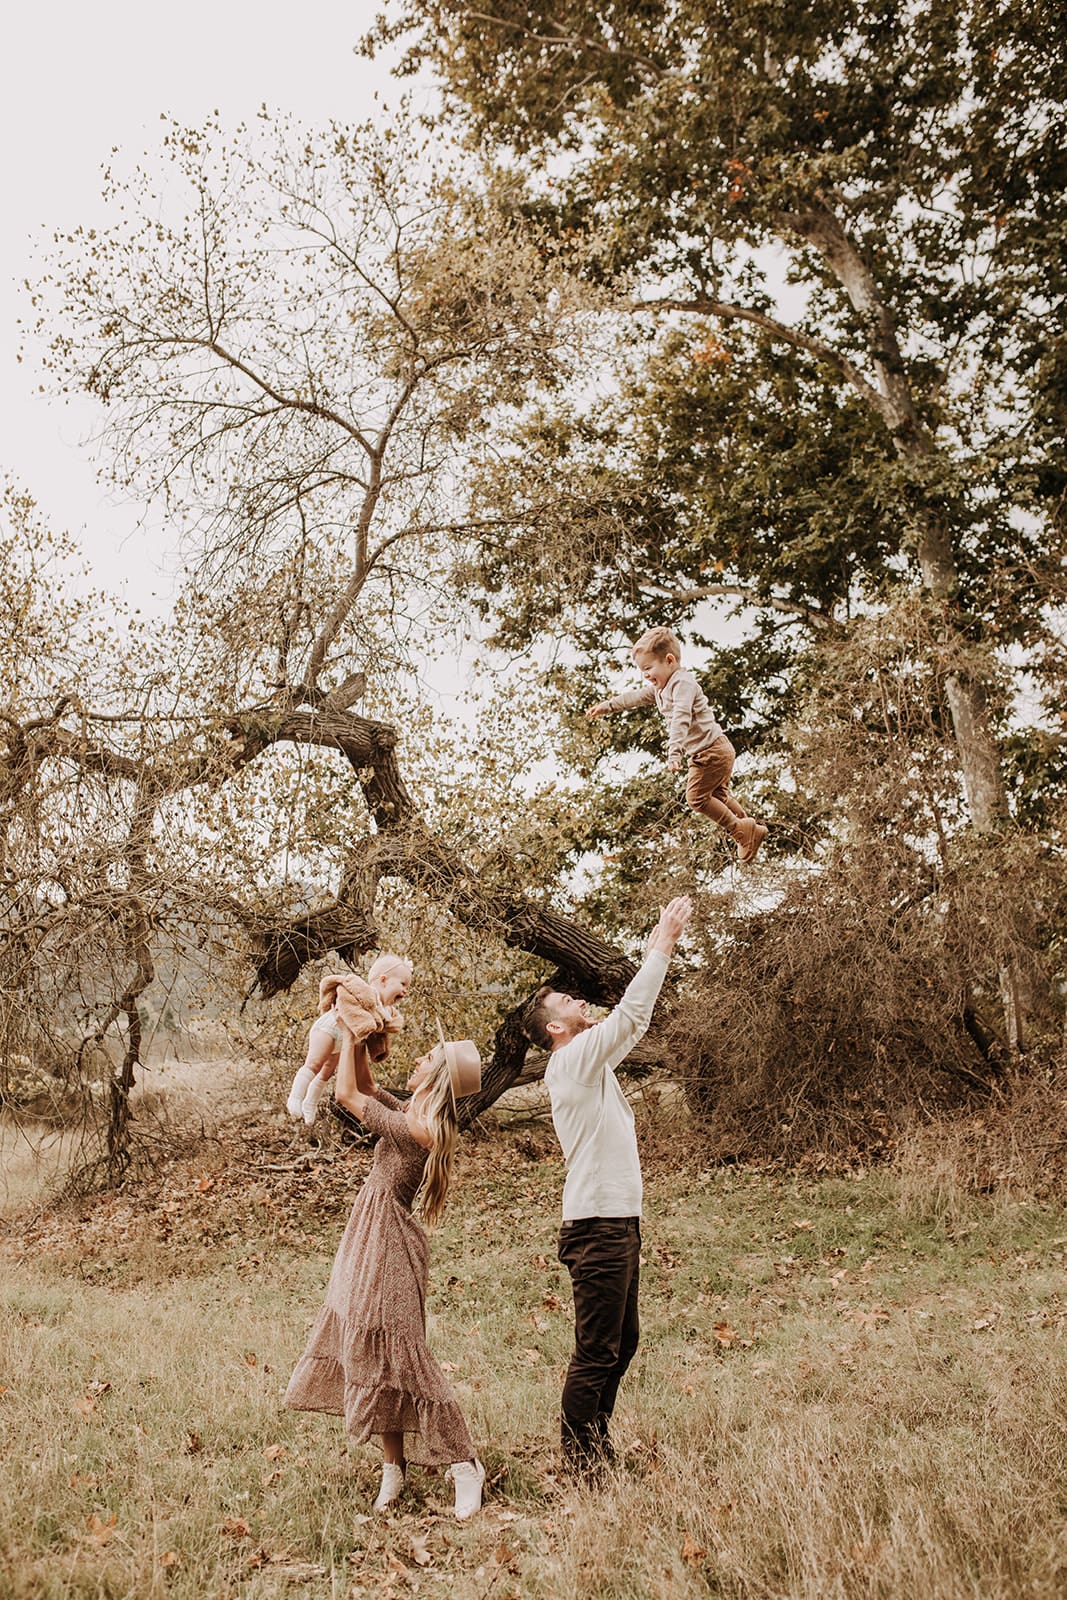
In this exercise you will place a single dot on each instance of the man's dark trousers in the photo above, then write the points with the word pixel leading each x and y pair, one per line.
pixel 603 1256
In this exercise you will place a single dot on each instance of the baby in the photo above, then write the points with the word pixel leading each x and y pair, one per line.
pixel 693 732
pixel 386 983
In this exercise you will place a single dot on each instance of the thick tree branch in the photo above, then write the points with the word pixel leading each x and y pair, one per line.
pixel 751 597
pixel 820 227
pixel 728 312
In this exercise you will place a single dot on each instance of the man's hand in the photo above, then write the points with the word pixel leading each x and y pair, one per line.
pixel 599 710
pixel 672 919
pixel 674 764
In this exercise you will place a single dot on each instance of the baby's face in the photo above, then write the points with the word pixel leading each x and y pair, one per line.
pixel 656 669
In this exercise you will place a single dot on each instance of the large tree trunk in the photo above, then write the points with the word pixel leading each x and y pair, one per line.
pixel 891 395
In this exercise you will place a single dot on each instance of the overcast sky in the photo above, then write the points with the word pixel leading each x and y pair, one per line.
pixel 80 80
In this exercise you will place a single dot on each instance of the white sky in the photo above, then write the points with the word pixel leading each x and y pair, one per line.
pixel 79 80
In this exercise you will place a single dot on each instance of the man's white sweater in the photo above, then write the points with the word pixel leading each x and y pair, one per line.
pixel 592 1117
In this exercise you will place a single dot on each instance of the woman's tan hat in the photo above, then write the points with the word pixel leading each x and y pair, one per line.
pixel 464 1063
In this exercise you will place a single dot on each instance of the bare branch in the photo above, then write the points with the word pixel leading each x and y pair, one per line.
pixel 724 309
pixel 751 597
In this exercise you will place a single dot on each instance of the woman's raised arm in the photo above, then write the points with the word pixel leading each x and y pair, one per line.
pixel 355 1083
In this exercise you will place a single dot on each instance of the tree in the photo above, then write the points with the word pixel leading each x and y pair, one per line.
pixel 300 371
pixel 891 411
pixel 908 162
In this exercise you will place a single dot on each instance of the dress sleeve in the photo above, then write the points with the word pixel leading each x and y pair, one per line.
pixel 382 1114
pixel 389 1101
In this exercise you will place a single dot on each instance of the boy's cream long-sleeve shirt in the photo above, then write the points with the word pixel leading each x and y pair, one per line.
pixel 691 724
pixel 592 1117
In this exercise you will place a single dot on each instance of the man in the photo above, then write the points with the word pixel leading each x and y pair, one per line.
pixel 600 1241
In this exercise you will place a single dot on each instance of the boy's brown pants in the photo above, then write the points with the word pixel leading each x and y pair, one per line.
pixel 708 787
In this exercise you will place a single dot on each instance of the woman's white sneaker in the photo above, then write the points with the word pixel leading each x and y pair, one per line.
pixel 392 1485
pixel 468 1478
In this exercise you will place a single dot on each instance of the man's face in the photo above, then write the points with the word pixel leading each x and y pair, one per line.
pixel 567 1015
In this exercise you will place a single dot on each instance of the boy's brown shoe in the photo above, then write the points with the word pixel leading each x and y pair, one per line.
pixel 749 835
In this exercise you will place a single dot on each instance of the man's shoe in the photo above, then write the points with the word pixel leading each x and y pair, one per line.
pixel 601 1439
pixel 749 835
pixel 468 1478
pixel 582 1449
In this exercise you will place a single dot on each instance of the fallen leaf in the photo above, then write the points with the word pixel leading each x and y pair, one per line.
pixel 532 1356
pixel 275 1452
pixel 100 1530
pixel 870 1319
pixel 193 1444
pixel 251 1359
pixel 86 1405
pixel 171 1560
pixel 419 1550
pixel 724 1334
pixel 236 1528
pixel 692 1552
pixel 204 1184
pixel 552 1302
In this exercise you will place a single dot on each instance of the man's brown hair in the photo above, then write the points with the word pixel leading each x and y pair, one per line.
pixel 658 642
pixel 535 1015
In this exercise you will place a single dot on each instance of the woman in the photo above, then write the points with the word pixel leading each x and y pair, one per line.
pixel 367 1358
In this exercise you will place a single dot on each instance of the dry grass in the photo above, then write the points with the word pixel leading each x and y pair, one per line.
pixel 33 1160
pixel 843 1390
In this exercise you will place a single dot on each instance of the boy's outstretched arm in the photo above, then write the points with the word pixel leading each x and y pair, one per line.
pixel 629 700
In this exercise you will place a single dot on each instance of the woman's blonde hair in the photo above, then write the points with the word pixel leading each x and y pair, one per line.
pixel 438 1112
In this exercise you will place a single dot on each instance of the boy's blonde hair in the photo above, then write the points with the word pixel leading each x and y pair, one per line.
pixel 659 643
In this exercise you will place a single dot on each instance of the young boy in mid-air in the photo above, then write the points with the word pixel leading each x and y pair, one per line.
pixel 691 731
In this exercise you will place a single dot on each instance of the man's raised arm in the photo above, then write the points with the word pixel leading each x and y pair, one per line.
pixel 609 1042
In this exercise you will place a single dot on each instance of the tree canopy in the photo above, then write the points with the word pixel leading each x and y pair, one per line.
pixel 840 231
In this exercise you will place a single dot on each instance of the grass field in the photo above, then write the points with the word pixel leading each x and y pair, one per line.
pixel 846 1387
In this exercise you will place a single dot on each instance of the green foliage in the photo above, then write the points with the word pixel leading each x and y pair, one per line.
pixel 838 236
